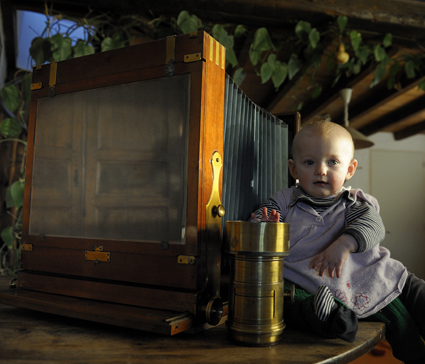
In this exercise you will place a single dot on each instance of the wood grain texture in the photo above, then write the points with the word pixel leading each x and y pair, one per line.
pixel 27 336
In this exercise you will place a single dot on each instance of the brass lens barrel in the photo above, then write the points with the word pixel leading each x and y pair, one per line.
pixel 257 251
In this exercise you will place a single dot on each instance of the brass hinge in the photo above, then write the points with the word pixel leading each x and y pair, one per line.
pixel 186 259
pixel 97 255
pixel 26 247
pixel 36 86
pixel 194 57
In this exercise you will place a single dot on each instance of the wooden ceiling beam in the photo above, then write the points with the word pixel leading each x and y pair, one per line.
pixel 400 17
pixel 381 98
pixel 410 131
pixel 403 19
pixel 397 16
pixel 395 116
pixel 331 94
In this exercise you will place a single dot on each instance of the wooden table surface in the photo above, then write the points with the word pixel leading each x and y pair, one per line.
pixel 28 336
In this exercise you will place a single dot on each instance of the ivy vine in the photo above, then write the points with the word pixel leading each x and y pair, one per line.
pixel 351 53
pixel 102 32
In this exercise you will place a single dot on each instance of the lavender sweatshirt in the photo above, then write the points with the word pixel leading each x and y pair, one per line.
pixel 369 280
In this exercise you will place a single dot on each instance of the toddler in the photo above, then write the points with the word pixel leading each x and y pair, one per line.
pixel 335 254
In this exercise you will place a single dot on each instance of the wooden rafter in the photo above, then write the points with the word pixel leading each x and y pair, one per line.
pixel 395 116
pixel 410 131
pixel 404 19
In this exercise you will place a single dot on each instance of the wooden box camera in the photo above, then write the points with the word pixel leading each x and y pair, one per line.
pixel 123 197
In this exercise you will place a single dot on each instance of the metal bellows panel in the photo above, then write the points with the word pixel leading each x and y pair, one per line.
pixel 255 154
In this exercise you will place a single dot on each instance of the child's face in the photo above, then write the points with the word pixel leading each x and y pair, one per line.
pixel 322 164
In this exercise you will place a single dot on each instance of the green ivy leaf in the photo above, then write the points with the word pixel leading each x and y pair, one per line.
pixel 356 39
pixel 113 43
pixel 357 67
pixel 81 49
pixel 410 69
pixel 390 82
pixel 294 66
pixel 107 44
pixel 183 16
pixel 317 92
pixel 394 69
pixel 266 72
pixel 240 30
pixel 421 85
pixel 272 60
pixel 61 47
pixel 302 30
pixel 254 56
pixel 8 237
pixel 10 128
pixel 188 23
pixel 280 74
pixel 17 193
pixel 342 22
pixel 388 40
pixel 363 54
pixel 262 41
pixel 40 50
pixel 231 57
pixel 379 53
pixel 314 37
pixel 9 199
pixel 239 76
pixel 380 72
pixel 10 96
pixel 218 32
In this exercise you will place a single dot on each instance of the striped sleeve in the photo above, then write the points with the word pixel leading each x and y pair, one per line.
pixel 271 205
pixel 365 224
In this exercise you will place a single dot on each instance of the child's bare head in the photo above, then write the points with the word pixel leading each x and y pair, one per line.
pixel 323 129
pixel 322 158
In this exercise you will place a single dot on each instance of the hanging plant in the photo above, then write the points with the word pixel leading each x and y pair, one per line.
pixel 103 32
pixel 351 56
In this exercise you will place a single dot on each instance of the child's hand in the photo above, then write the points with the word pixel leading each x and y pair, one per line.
pixel 274 216
pixel 334 257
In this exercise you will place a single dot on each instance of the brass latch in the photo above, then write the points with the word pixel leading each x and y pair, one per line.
pixel 186 259
pixel 98 255
pixel 194 57
pixel 26 247
pixel 36 86
pixel 214 206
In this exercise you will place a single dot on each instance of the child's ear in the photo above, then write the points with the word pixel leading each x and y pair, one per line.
pixel 292 168
pixel 351 169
